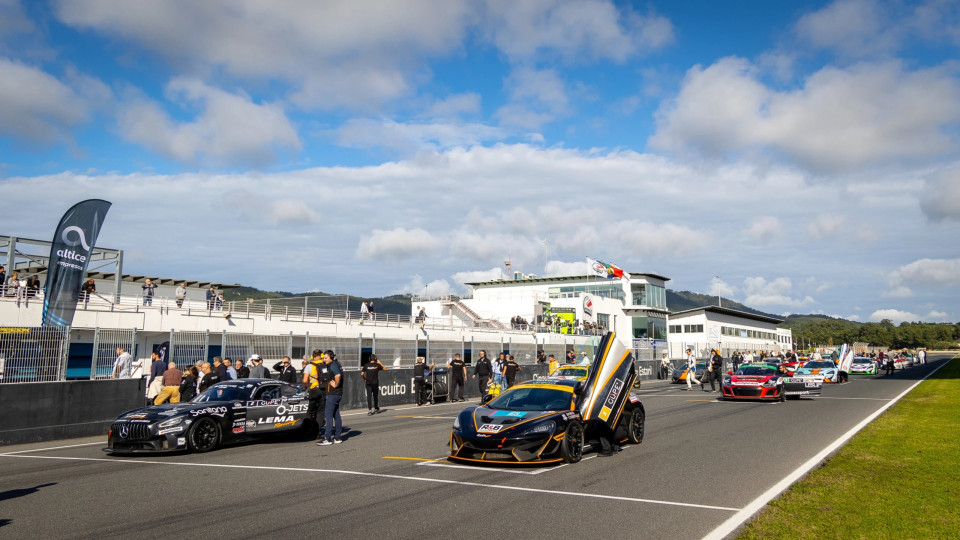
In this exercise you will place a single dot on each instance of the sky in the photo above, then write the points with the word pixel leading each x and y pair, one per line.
pixel 807 153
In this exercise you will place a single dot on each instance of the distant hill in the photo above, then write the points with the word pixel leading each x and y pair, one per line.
pixel 684 300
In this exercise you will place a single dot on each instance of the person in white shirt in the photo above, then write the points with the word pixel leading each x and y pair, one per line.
pixel 121 366
pixel 691 370
pixel 584 359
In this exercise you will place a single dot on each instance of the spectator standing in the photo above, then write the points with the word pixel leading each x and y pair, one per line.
pixel 420 377
pixel 211 298
pixel 243 372
pixel 664 366
pixel 210 377
pixel 188 386
pixel 181 294
pixel 510 370
pixel 422 316
pixel 922 356
pixel 148 289
pixel 13 286
pixel 218 302
pixel 219 368
pixel 288 373
pixel 890 365
pixel 363 311
pixel 371 382
pixel 584 359
pixel 231 371
pixel 157 367
pixel 713 370
pixel 371 314
pixel 333 379
pixel 89 287
pixel 482 371
pixel 121 366
pixel 571 357
pixel 313 379
pixel 498 370
pixel 552 363
pixel 458 374
pixel 172 378
pixel 692 371
pixel 258 371
pixel 541 357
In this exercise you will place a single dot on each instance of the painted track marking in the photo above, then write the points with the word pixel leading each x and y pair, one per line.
pixel 381 475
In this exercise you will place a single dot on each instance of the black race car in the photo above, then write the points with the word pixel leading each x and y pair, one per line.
pixel 225 412
pixel 550 420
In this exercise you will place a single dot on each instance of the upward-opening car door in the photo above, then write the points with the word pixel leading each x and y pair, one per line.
pixel 271 410
pixel 609 382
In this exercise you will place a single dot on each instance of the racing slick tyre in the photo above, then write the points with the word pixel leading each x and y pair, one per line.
pixel 571 447
pixel 635 426
pixel 204 435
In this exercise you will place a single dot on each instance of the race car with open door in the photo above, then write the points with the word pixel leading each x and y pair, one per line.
pixel 552 420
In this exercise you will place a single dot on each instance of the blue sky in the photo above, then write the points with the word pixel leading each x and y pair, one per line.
pixel 806 152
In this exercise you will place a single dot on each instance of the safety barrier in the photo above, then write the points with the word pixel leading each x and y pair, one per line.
pixel 33 354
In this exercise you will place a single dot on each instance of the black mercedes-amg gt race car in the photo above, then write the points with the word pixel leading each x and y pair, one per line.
pixel 226 412
pixel 551 420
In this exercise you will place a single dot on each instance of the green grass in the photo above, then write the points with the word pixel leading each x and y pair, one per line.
pixel 898 478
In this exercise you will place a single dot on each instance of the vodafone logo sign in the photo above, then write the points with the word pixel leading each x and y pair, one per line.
pixel 588 305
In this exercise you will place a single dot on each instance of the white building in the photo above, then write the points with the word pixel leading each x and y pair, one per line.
pixel 635 306
pixel 730 330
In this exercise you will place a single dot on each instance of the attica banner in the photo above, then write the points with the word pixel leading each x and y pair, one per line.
pixel 69 258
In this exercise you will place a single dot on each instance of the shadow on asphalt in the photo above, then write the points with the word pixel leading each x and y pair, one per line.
pixel 15 493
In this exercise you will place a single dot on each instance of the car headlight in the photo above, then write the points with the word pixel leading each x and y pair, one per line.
pixel 171 422
pixel 545 427
pixel 726 381
pixel 456 422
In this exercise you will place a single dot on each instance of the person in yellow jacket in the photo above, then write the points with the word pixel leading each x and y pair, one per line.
pixel 317 393
pixel 553 364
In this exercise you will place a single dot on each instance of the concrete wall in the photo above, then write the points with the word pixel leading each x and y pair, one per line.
pixel 34 412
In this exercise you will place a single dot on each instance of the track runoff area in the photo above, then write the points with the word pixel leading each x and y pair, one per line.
pixel 705 467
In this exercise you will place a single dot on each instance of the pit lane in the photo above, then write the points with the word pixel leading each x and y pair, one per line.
pixel 702 463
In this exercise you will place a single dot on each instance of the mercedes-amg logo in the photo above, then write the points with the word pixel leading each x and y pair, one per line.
pixel 124 431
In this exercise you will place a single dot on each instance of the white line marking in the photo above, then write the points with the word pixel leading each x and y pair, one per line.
pixel 468 467
pixel 380 475
pixel 757 504
pixel 101 443
pixel 408 408
pixel 855 398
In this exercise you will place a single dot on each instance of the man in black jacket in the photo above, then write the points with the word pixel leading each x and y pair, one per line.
pixel 483 370
pixel 243 372
pixel 288 373
pixel 510 370
pixel 713 370
pixel 370 372
pixel 458 376
pixel 209 379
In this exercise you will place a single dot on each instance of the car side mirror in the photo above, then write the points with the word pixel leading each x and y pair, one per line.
pixel 486 399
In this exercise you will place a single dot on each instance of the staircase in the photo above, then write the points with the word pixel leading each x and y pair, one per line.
pixel 469 316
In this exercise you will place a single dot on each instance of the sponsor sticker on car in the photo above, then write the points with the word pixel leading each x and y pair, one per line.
pixel 240 429
pixel 490 428
pixel 512 414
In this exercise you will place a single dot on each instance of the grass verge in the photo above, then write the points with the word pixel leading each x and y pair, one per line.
pixel 897 478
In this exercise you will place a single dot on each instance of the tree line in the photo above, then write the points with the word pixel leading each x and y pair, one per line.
pixel 828 331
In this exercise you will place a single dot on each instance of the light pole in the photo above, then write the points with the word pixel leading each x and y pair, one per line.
pixel 719 303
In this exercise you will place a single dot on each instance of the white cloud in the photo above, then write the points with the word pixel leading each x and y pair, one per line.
pixel 935 315
pixel 760 292
pixel 898 292
pixel 413 137
pixel 573 29
pixel 416 286
pixel 895 315
pixel 941 196
pixel 928 272
pixel 475 276
pixel 232 129
pixel 727 290
pixel 560 268
pixel 396 244
pixel 36 105
pixel 764 228
pixel 825 226
pixel 455 105
pixel 865 115
pixel 262 209
pixel 854 28
pixel 13 20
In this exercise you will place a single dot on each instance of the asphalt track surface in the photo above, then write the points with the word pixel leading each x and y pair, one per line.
pixel 702 462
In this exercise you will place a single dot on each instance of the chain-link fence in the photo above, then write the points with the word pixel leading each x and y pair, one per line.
pixel 33 354
pixel 441 352
pixel 106 341
pixel 272 348
pixel 396 352
pixel 524 352
pixel 346 349
pixel 493 348
pixel 187 346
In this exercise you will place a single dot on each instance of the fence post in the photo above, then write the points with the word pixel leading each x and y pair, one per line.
pixel 373 343
pixel 429 356
pixel 173 348
pixel 359 349
pixel 64 353
pixel 133 341
pixel 206 345
pixel 95 357
pixel 306 345
pixel 290 347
